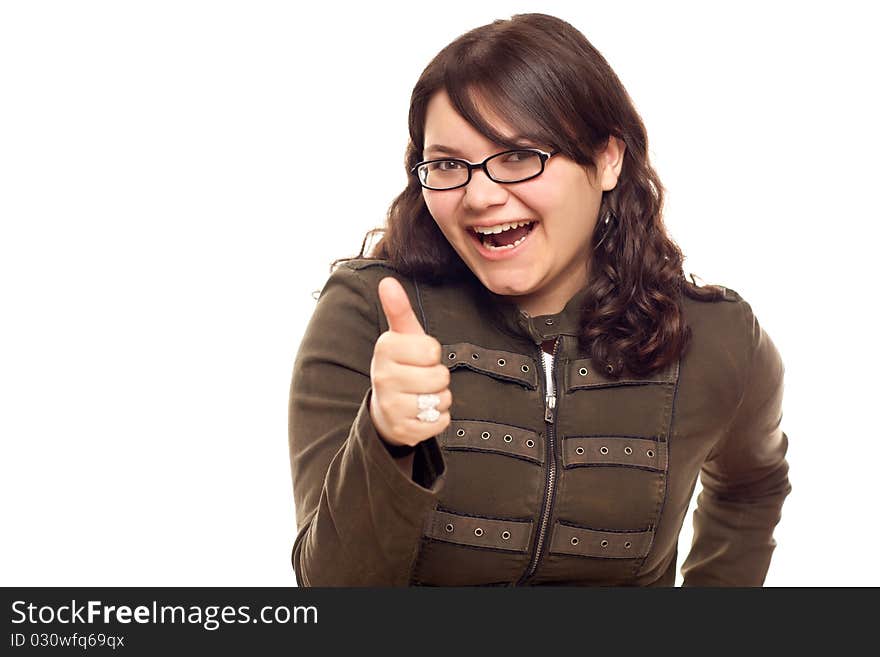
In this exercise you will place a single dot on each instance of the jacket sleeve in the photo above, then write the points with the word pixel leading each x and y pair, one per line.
pixel 744 478
pixel 359 516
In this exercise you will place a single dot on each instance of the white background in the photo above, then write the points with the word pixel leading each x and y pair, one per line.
pixel 171 194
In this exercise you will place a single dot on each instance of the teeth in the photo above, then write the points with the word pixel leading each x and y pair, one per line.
pixel 492 230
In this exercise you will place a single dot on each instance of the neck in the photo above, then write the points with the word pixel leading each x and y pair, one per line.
pixel 554 302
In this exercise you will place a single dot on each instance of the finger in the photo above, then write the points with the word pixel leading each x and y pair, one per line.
pixel 397 378
pixel 402 406
pixel 409 349
pixel 404 427
pixel 409 403
pixel 397 309
pixel 419 430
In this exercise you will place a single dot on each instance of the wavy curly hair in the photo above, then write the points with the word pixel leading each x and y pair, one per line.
pixel 549 82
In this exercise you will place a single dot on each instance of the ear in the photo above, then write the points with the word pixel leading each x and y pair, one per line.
pixel 610 163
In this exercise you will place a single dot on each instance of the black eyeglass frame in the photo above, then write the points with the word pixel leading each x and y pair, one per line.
pixel 544 155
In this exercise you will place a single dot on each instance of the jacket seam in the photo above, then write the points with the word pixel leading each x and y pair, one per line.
pixel 665 476
pixel 567 523
pixel 415 552
pixel 490 548
pixel 654 438
pixel 367 264
pixel 443 509
pixel 500 424
pixel 643 468
pixel 302 571
pixel 496 452
pixel 421 307
pixel 367 295
pixel 297 557
pixel 722 442
pixel 492 374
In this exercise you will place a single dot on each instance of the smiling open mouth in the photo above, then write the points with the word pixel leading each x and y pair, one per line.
pixel 505 236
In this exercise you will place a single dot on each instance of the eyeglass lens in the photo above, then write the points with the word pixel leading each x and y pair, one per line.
pixel 504 167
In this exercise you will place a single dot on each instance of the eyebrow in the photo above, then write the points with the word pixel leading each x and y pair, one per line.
pixel 439 148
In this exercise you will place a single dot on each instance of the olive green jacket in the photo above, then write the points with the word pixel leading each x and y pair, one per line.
pixel 579 480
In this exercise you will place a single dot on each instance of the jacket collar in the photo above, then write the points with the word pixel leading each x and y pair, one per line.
pixel 537 328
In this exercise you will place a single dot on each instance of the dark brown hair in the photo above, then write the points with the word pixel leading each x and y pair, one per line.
pixel 550 83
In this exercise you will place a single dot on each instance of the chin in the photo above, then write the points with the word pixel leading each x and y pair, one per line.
pixel 508 286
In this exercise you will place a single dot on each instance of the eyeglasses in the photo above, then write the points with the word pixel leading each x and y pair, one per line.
pixel 506 167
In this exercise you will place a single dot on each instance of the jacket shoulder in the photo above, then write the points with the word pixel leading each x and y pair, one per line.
pixel 364 264
pixel 708 293
pixel 723 330
pixel 721 315
pixel 368 272
pixel 357 272
pixel 730 294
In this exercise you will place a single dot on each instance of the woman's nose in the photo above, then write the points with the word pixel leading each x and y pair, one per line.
pixel 482 191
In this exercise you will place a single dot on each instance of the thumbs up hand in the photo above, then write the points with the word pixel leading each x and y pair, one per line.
pixel 406 364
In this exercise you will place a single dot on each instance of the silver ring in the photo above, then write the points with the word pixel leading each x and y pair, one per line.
pixel 429 415
pixel 428 408
pixel 428 401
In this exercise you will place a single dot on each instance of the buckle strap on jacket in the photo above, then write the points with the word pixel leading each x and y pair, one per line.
pixel 483 436
pixel 507 365
pixel 477 531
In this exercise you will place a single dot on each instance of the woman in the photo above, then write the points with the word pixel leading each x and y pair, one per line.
pixel 519 386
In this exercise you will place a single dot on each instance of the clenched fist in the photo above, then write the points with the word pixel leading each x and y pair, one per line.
pixel 406 363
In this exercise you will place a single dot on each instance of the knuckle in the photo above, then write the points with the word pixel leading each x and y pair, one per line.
pixel 380 378
pixel 382 405
pixel 381 347
pixel 443 376
pixel 447 399
pixel 434 348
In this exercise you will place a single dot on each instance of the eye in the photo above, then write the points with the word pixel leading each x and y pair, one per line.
pixel 448 165
pixel 518 157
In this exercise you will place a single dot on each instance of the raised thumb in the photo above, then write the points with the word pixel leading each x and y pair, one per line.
pixel 398 311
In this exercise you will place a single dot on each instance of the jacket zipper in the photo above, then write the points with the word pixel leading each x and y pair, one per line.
pixel 549 419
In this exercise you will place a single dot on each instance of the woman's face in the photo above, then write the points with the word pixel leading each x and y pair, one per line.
pixel 550 265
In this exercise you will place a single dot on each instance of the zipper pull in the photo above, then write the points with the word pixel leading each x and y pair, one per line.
pixel 548 408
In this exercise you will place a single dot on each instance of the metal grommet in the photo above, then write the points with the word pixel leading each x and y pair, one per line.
pixel 627 545
pixel 583 371
pixel 475 356
pixel 574 540
pixel 485 435
pixel 548 322
pixel 603 449
pixel 604 544
pixel 478 532
pixel 449 527
pixel 505 535
pixel 609 368
pixel 525 368
pixel 530 443
pixel 451 355
pixel 579 450
pixel 650 453
pixel 502 362
pixel 460 432
pixel 507 437
pixel 627 450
